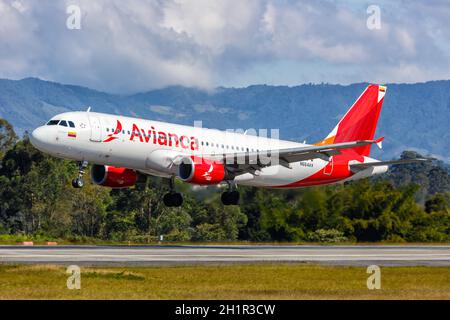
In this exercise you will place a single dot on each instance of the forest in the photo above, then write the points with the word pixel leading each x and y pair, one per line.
pixel 410 203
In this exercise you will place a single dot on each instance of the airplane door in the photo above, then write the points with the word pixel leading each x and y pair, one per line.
pixel 96 128
pixel 328 170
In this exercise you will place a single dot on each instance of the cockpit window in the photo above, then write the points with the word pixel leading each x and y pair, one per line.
pixel 52 122
pixel 63 123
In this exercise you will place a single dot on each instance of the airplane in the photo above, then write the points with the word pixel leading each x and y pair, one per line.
pixel 125 151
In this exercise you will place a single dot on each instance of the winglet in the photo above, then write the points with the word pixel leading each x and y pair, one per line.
pixel 379 142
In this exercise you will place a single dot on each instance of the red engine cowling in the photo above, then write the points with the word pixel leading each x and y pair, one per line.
pixel 113 177
pixel 201 171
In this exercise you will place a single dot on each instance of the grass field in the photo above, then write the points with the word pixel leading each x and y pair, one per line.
pixel 255 281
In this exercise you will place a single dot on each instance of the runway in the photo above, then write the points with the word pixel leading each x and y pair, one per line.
pixel 175 255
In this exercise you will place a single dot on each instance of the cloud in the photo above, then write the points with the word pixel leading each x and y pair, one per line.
pixel 141 44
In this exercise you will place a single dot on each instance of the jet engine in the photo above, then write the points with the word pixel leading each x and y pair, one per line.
pixel 201 171
pixel 113 177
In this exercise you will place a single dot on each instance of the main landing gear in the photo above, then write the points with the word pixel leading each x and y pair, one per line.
pixel 230 197
pixel 78 181
pixel 172 199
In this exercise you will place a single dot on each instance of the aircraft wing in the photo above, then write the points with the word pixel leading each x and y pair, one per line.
pixel 362 166
pixel 242 162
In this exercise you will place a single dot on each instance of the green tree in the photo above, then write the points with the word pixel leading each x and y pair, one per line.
pixel 33 190
pixel 438 202
pixel 7 137
pixel 281 220
pixel 432 177
pixel 88 210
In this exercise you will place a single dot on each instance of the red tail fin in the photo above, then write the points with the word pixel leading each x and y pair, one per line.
pixel 360 121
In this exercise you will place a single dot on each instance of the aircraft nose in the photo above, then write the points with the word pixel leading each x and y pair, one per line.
pixel 40 138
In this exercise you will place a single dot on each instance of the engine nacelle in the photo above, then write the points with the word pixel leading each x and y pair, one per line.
pixel 113 177
pixel 201 171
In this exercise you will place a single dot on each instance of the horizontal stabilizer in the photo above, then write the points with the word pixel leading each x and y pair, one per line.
pixel 361 166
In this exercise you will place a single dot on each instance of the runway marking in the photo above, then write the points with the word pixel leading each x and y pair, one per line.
pixel 225 255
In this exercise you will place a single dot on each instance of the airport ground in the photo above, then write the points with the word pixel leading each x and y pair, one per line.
pixel 225 272
pixel 225 281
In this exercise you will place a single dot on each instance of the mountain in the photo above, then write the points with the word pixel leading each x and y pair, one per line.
pixel 414 116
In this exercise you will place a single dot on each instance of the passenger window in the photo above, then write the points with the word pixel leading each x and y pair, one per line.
pixel 71 124
pixel 63 123
pixel 52 122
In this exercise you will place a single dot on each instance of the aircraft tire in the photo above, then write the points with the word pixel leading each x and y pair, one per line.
pixel 230 198
pixel 77 183
pixel 173 200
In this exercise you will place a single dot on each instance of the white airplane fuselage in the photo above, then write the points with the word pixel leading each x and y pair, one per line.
pixel 150 147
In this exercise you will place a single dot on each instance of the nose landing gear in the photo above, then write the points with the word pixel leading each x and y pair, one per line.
pixel 78 181
pixel 172 199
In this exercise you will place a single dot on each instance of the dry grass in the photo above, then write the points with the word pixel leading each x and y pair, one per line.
pixel 256 281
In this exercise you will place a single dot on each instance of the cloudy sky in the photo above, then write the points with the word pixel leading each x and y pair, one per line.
pixel 136 45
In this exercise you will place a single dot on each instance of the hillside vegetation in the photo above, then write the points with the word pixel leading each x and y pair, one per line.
pixel 413 116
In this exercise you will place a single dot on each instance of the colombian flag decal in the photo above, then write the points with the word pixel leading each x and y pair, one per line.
pixel 72 134
pixel 382 89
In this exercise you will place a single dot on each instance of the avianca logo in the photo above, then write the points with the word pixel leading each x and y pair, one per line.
pixel 207 174
pixel 112 136
pixel 156 137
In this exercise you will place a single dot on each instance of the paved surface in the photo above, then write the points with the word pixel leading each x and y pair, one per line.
pixel 166 255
